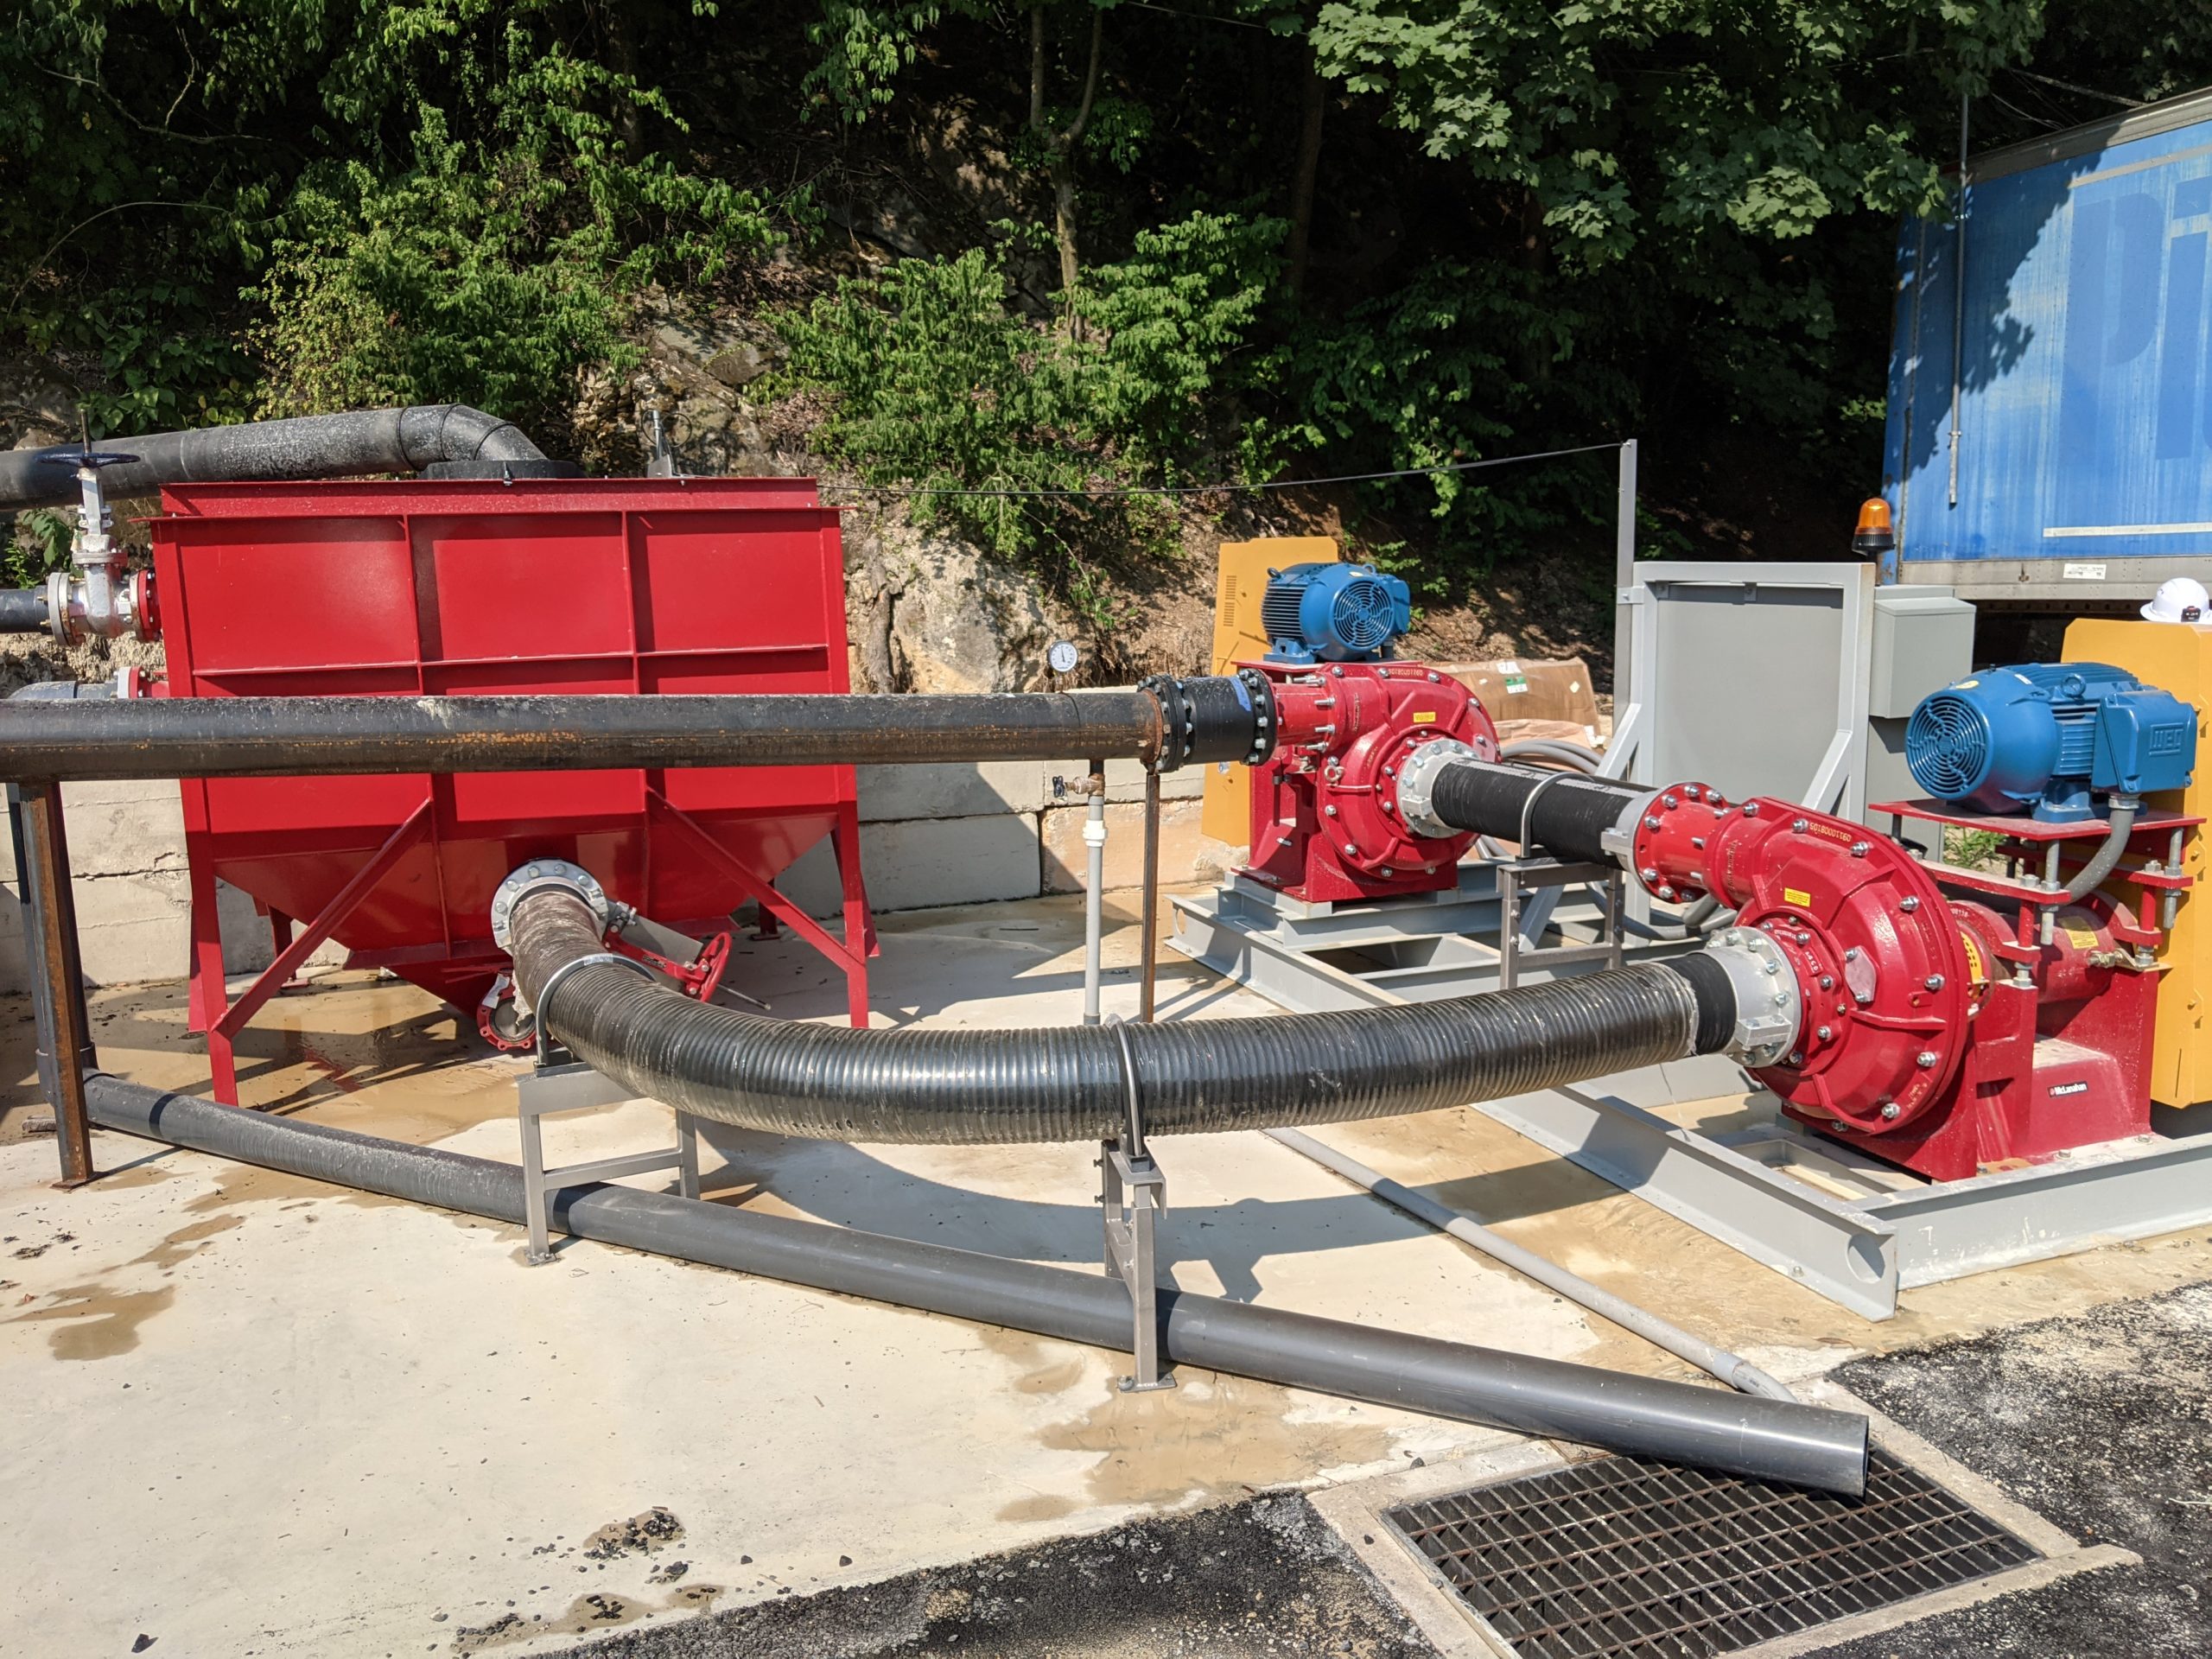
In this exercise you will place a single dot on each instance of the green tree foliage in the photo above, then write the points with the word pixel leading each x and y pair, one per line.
pixel 298 204
pixel 940 384
pixel 1519 224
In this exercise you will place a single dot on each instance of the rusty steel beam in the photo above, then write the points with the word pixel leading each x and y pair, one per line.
pixel 262 737
pixel 60 971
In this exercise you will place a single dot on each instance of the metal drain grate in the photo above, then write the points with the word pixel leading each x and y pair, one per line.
pixel 1619 1556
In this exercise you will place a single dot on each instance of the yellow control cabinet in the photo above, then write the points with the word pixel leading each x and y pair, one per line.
pixel 1240 636
pixel 2175 656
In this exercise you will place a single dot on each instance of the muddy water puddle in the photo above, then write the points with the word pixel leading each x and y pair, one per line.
pixel 1212 1433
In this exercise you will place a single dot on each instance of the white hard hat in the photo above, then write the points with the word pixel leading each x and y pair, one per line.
pixel 2180 598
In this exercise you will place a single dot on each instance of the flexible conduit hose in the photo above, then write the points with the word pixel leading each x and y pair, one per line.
pixel 1067 1084
pixel 1733 1368
pixel 350 445
pixel 1642 1416
pixel 2091 876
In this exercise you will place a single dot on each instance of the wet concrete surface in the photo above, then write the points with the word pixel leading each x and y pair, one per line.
pixel 2100 1423
pixel 1266 1577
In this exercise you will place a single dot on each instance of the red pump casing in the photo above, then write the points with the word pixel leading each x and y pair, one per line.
pixel 1326 825
pixel 1930 1034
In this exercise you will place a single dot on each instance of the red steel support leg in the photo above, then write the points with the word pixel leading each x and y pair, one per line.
pixel 220 1034
pixel 206 1003
pixel 772 903
pixel 860 925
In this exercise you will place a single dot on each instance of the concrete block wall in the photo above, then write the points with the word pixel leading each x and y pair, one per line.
pixel 126 849
pixel 963 835
pixel 930 835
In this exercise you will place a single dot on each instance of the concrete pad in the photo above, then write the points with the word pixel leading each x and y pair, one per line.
pixel 257 1415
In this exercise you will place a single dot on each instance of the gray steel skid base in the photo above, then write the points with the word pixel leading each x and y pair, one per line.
pixel 1852 1229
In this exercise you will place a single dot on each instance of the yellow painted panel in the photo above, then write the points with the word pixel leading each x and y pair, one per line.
pixel 2174 657
pixel 1239 637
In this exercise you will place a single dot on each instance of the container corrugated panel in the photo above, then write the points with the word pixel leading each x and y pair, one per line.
pixel 2084 383
pixel 604 585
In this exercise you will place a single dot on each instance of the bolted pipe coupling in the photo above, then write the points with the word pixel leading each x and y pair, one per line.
pixel 1212 717
pixel 537 876
pixel 1417 785
pixel 1768 1005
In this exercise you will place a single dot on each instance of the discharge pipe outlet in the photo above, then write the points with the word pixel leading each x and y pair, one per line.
pixel 446 439
pixel 1070 1083
pixel 1767 1440
pixel 1211 719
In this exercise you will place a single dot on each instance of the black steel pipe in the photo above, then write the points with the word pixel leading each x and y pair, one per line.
pixel 360 443
pixel 1742 1434
pixel 262 737
pixel 1067 1083
pixel 1562 812
pixel 23 610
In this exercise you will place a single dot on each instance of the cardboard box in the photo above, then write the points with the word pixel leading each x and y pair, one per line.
pixel 1524 689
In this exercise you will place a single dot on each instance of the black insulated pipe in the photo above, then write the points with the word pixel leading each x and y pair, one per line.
pixel 1565 813
pixel 1067 1083
pixel 23 610
pixel 264 737
pixel 451 438
pixel 1742 1434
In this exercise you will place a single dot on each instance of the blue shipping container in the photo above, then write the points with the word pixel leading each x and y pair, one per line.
pixel 2075 366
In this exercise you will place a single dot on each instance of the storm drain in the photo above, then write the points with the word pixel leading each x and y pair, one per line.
pixel 1619 1556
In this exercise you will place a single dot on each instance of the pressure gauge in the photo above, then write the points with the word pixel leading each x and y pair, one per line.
pixel 1061 659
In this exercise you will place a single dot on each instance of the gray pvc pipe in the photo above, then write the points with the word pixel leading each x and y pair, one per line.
pixel 349 445
pixel 1741 1435
pixel 1733 1368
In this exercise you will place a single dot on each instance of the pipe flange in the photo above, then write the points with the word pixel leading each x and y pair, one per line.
pixel 1262 693
pixel 1769 1006
pixel 1175 723
pixel 1417 785
pixel 545 873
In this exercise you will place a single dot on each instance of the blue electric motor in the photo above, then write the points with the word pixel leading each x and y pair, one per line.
pixel 1333 613
pixel 2049 738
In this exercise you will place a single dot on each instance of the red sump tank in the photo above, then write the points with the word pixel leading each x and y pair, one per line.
pixel 615 587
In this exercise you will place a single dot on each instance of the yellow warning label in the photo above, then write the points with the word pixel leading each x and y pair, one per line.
pixel 1974 970
pixel 2085 938
pixel 1794 896
pixel 1425 717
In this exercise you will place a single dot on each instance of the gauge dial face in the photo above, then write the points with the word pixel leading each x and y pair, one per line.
pixel 1062 657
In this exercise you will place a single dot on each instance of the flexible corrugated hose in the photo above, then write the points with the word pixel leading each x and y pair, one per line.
pixel 1068 1083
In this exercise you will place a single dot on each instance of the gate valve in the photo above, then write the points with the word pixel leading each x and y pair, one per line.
pixel 1882 973
pixel 102 598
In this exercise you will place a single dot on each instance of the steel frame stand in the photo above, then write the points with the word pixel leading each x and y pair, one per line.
pixel 1132 1197
pixel 210 1009
pixel 852 952
pixel 1417 947
pixel 561 1084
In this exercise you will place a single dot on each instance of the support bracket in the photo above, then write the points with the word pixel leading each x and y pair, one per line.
pixel 1133 1194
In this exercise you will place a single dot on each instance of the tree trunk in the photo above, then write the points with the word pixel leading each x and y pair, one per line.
pixel 1059 146
pixel 622 28
pixel 1314 104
